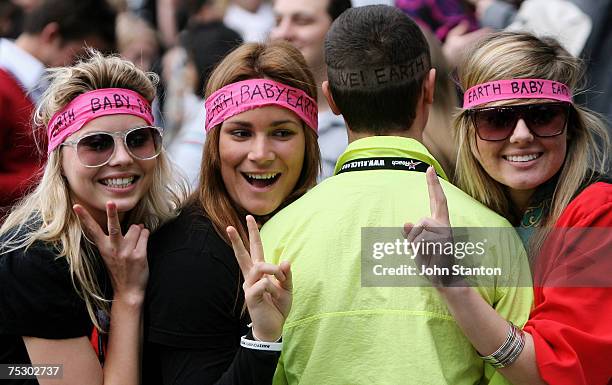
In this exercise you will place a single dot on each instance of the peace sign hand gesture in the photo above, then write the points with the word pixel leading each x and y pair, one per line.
pixel 125 256
pixel 434 229
pixel 267 287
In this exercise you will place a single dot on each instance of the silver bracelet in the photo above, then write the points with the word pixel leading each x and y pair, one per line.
pixel 509 351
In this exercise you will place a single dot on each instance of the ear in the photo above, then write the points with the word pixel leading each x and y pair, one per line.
pixel 50 33
pixel 330 98
pixel 429 86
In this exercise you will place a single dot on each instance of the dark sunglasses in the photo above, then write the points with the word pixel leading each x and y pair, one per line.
pixel 498 123
pixel 97 148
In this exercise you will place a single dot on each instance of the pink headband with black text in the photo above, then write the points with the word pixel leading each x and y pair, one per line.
pixel 94 104
pixel 249 94
pixel 516 89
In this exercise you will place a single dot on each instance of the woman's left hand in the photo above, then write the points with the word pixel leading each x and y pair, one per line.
pixel 125 256
pixel 267 287
pixel 434 229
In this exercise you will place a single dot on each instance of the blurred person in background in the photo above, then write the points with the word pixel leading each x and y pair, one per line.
pixel 304 24
pixel 11 19
pixel 27 5
pixel 166 20
pixel 202 45
pixel 361 3
pixel 203 50
pixel 252 19
pixel 437 136
pixel 453 22
pixel 138 42
pixel 55 32
pixel 439 16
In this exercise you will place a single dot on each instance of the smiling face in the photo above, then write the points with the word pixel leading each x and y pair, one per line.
pixel 123 180
pixel 303 24
pixel 261 153
pixel 523 161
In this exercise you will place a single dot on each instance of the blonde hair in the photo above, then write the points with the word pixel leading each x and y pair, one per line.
pixel 278 61
pixel 46 214
pixel 508 55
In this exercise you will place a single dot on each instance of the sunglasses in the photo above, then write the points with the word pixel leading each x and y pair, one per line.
pixel 96 149
pixel 544 120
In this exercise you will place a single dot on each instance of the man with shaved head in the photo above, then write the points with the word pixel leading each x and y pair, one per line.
pixel 349 325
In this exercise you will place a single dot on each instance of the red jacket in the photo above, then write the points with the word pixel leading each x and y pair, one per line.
pixel 571 322
pixel 19 158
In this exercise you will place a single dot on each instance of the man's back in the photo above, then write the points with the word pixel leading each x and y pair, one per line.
pixel 339 332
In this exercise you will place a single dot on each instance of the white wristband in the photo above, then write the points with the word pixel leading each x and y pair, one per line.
pixel 260 345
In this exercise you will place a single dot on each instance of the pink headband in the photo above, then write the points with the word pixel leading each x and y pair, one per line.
pixel 516 89
pixel 249 94
pixel 94 104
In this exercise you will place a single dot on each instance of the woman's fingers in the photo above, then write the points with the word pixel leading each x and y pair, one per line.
pixel 259 269
pixel 414 230
pixel 131 237
pixel 141 244
pixel 408 226
pixel 242 255
pixel 437 199
pixel 426 229
pixel 259 289
pixel 92 228
pixel 255 244
pixel 287 284
pixel 114 226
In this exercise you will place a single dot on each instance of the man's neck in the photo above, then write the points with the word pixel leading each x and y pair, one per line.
pixel 410 133
pixel 30 44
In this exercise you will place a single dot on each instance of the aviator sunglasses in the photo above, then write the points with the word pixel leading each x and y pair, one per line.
pixel 97 148
pixel 498 123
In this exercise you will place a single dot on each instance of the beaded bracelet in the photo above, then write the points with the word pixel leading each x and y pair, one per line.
pixel 509 351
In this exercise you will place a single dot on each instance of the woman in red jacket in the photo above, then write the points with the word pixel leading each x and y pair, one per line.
pixel 532 155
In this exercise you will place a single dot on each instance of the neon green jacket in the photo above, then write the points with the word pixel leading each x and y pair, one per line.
pixel 339 332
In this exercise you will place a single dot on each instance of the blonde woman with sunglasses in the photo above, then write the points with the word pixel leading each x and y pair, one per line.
pixel 527 151
pixel 73 253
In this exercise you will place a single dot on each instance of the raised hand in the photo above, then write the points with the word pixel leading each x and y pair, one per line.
pixel 125 256
pixel 433 229
pixel 458 40
pixel 267 287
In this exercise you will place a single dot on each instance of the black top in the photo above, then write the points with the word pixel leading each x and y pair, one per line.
pixel 194 314
pixel 37 299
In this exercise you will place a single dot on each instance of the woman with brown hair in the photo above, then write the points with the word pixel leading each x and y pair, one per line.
pixel 261 154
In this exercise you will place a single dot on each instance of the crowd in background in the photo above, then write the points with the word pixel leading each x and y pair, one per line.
pixel 182 41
